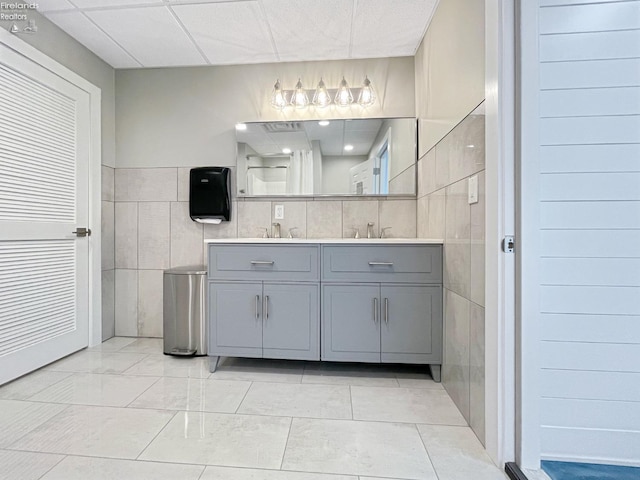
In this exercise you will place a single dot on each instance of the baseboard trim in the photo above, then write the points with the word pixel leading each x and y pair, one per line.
pixel 513 471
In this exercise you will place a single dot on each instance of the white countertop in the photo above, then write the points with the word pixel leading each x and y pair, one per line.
pixel 350 241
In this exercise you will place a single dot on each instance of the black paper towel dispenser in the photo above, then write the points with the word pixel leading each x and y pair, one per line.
pixel 209 194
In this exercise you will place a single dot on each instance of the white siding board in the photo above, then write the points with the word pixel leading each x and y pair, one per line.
pixel 604 357
pixel 590 102
pixel 586 299
pixel 591 74
pixel 589 130
pixel 589 445
pixel 590 215
pixel 589 186
pixel 590 243
pixel 590 46
pixel 621 386
pixel 590 158
pixel 590 328
pixel 574 413
pixel 556 3
pixel 596 17
pixel 623 272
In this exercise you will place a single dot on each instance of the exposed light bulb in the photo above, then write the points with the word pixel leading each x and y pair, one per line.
pixel 321 98
pixel 286 150
pixel 344 97
pixel 348 148
pixel 324 123
pixel 278 97
pixel 367 96
pixel 299 98
pixel 241 126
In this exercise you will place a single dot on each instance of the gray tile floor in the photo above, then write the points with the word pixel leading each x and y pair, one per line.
pixel 125 411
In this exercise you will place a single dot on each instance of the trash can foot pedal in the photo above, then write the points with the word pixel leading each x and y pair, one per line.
pixel 183 352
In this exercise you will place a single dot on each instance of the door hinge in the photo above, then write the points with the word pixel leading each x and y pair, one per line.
pixel 82 232
pixel 508 244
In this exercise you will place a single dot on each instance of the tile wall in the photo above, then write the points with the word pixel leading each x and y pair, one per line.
pixel 108 252
pixel 444 212
pixel 153 232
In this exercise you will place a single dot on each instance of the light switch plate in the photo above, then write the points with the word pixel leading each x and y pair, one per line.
pixel 279 212
pixel 473 189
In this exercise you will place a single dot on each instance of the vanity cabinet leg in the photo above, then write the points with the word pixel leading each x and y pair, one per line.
pixel 435 372
pixel 213 363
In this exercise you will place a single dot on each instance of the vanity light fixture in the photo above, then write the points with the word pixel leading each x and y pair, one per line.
pixel 348 148
pixel 367 95
pixel 299 99
pixel 278 97
pixel 286 151
pixel 344 97
pixel 324 123
pixel 321 98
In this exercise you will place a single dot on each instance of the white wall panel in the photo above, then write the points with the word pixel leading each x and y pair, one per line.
pixel 590 101
pixel 605 357
pixel 595 17
pixel 590 215
pixel 590 46
pixel 591 74
pixel 621 386
pixel 587 299
pixel 589 186
pixel 590 271
pixel 590 158
pixel 591 328
pixel 574 413
pixel 589 130
pixel 590 243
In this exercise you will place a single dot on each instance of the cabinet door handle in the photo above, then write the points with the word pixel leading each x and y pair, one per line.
pixel 257 306
pixel 386 311
pixel 261 262
pixel 384 264
pixel 266 307
pixel 375 311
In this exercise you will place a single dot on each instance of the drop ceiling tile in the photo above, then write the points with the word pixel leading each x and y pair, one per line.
pixel 310 30
pixel 52 5
pixel 85 32
pixel 389 29
pixel 230 32
pixel 151 35
pixel 113 3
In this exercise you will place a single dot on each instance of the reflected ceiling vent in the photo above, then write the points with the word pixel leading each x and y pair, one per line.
pixel 282 127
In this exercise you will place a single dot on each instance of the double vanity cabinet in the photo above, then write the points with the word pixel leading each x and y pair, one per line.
pixel 375 301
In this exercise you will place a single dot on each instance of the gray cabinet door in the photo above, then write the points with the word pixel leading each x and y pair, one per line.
pixel 411 327
pixel 235 319
pixel 290 321
pixel 351 323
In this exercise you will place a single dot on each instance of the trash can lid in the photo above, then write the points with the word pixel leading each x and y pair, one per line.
pixel 188 270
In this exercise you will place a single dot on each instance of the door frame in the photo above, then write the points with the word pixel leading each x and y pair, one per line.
pixel 94 184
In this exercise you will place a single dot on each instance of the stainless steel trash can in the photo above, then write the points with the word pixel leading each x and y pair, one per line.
pixel 184 311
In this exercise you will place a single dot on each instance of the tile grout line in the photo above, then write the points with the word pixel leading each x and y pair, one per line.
pixel 351 401
pixel 142 393
pixel 243 397
pixel 426 451
pixel 157 434
pixel 64 457
pixel 286 443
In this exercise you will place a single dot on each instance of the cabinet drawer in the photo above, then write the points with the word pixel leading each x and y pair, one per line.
pixel 263 262
pixel 382 263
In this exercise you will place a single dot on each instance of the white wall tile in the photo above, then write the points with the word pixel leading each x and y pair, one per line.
pixel 146 184
pixel 437 214
pixel 476 371
pixel 126 234
pixel 295 215
pixel 153 235
pixel 108 304
pixel 400 215
pixel 422 217
pixel 477 259
pixel 455 368
pixel 253 218
pixel 126 299
pixel 108 183
pixel 457 246
pixel 107 244
pixel 324 219
pixel 183 183
pixel 186 237
pixel 150 298
pixel 356 214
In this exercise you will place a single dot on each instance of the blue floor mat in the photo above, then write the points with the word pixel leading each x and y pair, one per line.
pixel 588 471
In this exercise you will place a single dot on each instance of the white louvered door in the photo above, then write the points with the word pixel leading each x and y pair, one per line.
pixel 44 153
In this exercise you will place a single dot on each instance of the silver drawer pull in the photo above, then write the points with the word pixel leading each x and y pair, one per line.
pixel 375 311
pixel 386 311
pixel 261 262
pixel 385 264
pixel 257 307
pixel 266 307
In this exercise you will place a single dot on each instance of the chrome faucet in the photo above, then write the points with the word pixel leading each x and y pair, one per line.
pixel 265 234
pixel 357 232
pixel 276 230
pixel 370 233
pixel 291 231
pixel 382 230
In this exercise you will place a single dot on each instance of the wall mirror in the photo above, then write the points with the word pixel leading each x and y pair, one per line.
pixel 374 156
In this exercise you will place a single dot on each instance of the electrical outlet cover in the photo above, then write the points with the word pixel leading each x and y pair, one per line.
pixel 279 212
pixel 473 189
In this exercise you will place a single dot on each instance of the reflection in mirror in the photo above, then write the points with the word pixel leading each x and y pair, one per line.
pixel 327 157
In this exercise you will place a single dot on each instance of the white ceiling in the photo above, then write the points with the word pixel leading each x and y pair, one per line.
pixel 168 33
